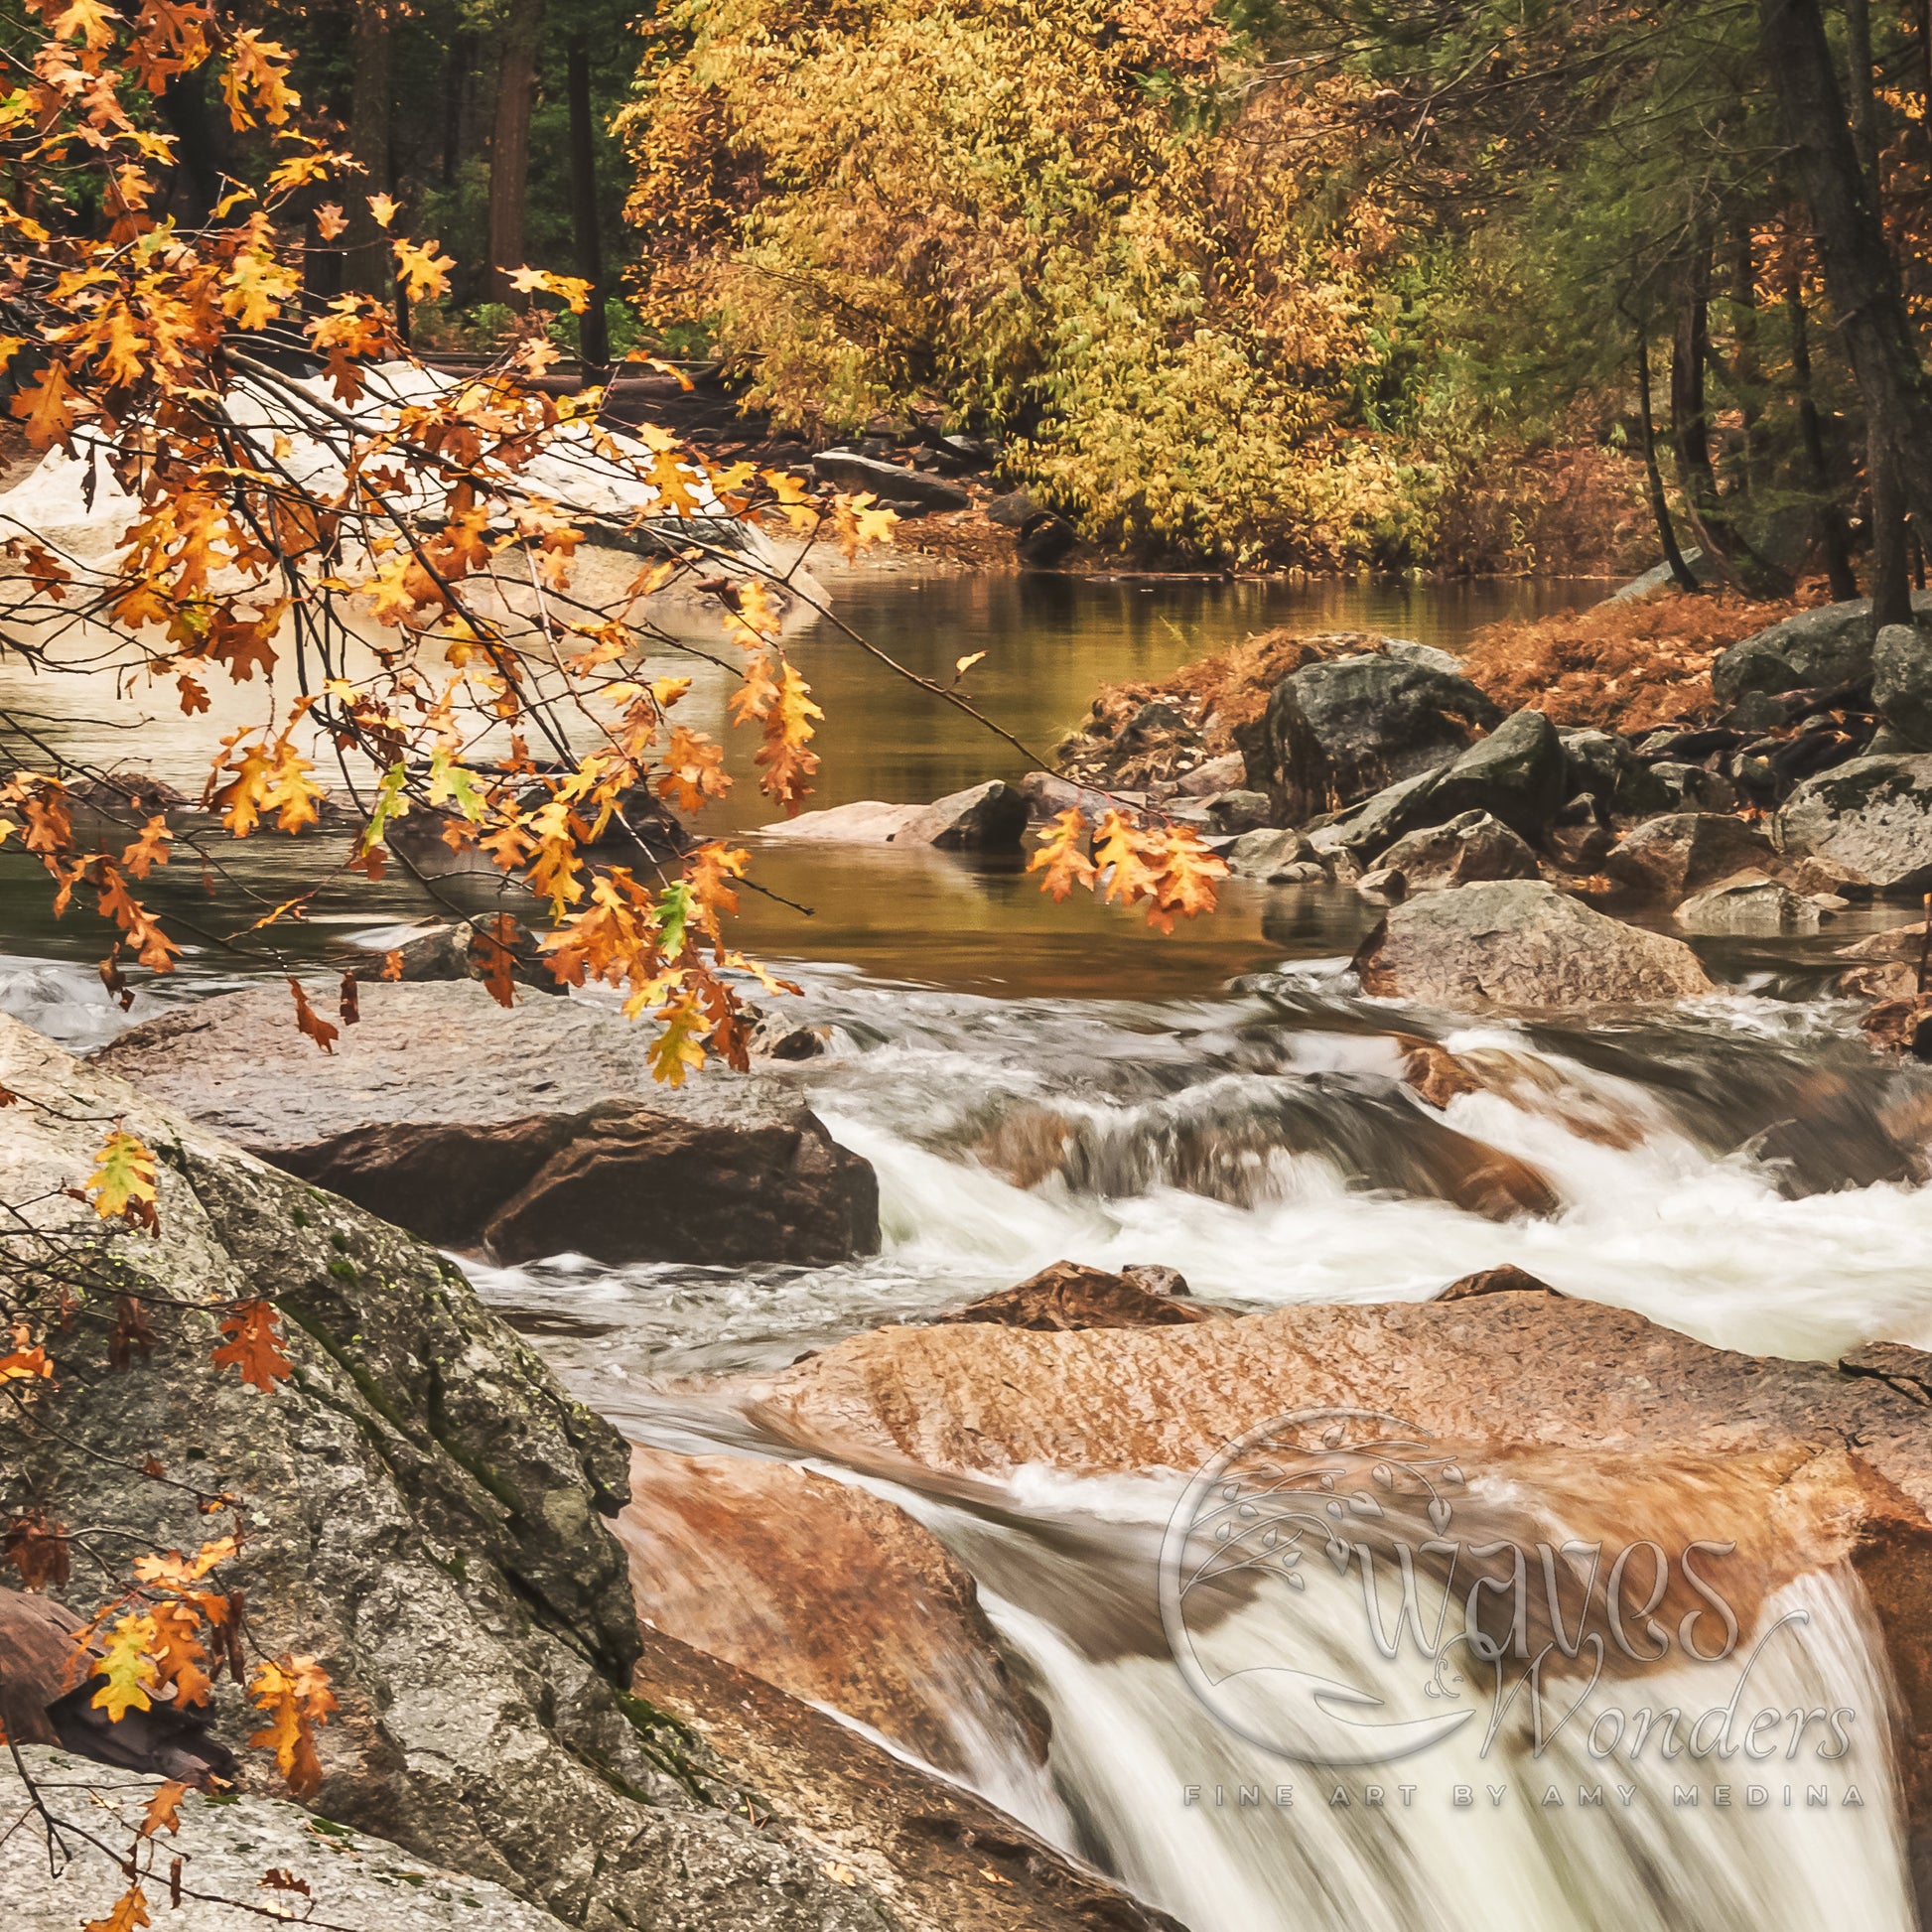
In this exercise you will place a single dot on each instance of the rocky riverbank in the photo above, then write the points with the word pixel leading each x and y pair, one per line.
pixel 422 1509
pixel 1794 779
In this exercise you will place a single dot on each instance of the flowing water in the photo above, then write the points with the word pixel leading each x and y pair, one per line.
pixel 1036 1083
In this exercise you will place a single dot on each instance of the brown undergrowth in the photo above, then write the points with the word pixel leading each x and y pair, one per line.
pixel 1623 666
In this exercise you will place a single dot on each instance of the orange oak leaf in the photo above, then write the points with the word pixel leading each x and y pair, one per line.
pixel 292 1694
pixel 254 1345
pixel 310 1021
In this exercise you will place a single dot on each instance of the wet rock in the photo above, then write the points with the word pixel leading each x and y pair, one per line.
pixel 1156 1278
pixel 1507 1280
pixel 990 818
pixel 829 1592
pixel 424 1511
pixel 1668 859
pixel 909 492
pixel 1750 901
pixel 1902 1022
pixel 1383 886
pixel 1518 774
pixel 946 1861
pixel 345 1877
pixel 1472 846
pixel 1275 857
pixel 1521 943
pixel 1873 814
pixel 1339 731
pixel 1902 683
pixel 1068 1297
pixel 1640 1429
pixel 538 1128
pixel 1436 1076
pixel 1011 509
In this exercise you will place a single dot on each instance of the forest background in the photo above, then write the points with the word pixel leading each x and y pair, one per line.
pixel 1422 285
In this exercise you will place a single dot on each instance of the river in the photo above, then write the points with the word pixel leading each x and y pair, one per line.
pixel 1035 1083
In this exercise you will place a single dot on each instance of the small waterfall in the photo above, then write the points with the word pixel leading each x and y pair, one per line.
pixel 1473 1833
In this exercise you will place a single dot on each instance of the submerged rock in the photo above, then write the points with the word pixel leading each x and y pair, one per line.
pixel 1521 943
pixel 1873 814
pixel 536 1128
pixel 1337 731
pixel 1068 1297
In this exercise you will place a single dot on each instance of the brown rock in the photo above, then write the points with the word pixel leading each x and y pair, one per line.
pixel 537 1128
pixel 948 1862
pixel 1556 1392
pixel 829 1592
pixel 1667 858
pixel 1435 1073
pixel 1068 1297
pixel 1524 944
pixel 1506 1279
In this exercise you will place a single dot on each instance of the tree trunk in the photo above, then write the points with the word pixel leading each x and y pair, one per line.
pixel 510 147
pixel 1833 537
pixel 1861 276
pixel 1684 576
pixel 1690 428
pixel 1747 368
pixel 365 251
pixel 594 340
pixel 198 144
pixel 1891 582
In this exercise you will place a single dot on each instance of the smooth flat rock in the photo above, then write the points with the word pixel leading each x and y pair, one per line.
pixel 1520 943
pixel 538 1128
pixel 894 486
pixel 867 821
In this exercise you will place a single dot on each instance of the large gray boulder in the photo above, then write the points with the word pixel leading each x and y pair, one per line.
pixel 1336 732
pixel 1519 773
pixel 1521 943
pixel 1874 814
pixel 1901 682
pixel 423 1506
pixel 1814 651
pixel 1467 849
pixel 1602 767
pixel 534 1130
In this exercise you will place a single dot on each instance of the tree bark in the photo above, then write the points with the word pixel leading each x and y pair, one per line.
pixel 1681 572
pixel 1891 582
pixel 365 249
pixel 594 340
pixel 510 147
pixel 1861 275
pixel 1833 537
